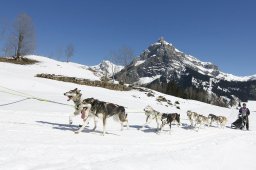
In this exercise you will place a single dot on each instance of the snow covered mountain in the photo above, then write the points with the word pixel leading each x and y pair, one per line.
pixel 106 68
pixel 162 64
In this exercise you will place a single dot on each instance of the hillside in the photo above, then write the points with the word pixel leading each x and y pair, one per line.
pixel 36 134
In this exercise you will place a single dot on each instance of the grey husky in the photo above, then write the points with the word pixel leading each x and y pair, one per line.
pixel 201 120
pixel 151 115
pixel 221 121
pixel 192 116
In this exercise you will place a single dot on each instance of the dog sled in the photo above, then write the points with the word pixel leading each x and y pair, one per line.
pixel 239 123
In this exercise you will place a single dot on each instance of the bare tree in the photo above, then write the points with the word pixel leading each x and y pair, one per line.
pixel 126 55
pixel 3 26
pixel 59 53
pixel 22 39
pixel 123 56
pixel 113 58
pixel 3 30
pixel 69 52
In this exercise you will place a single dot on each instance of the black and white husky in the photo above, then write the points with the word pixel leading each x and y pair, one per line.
pixel 93 108
pixel 169 118
pixel 103 110
pixel 151 115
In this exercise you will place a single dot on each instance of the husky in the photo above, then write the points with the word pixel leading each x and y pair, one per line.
pixel 103 110
pixel 213 118
pixel 221 121
pixel 168 118
pixel 201 120
pixel 192 116
pixel 152 114
pixel 76 96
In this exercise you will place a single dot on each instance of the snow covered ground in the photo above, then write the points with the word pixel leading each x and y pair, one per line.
pixel 36 134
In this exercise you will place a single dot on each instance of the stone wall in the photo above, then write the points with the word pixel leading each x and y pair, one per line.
pixel 87 82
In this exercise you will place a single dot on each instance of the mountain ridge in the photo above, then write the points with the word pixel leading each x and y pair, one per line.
pixel 164 65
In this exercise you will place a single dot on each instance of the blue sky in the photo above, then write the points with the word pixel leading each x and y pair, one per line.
pixel 219 31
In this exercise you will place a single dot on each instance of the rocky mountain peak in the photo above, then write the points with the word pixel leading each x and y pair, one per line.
pixel 161 64
pixel 163 42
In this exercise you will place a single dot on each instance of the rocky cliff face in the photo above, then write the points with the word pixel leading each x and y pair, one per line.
pixel 162 64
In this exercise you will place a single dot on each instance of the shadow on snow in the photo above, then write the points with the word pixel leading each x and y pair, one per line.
pixel 61 126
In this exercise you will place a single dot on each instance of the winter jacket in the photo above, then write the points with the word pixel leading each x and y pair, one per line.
pixel 244 112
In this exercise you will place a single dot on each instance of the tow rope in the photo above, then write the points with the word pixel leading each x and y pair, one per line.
pixel 15 102
pixel 28 96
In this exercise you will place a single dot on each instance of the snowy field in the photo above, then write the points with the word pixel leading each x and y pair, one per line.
pixel 36 135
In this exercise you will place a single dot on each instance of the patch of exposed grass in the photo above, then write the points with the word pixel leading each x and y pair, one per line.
pixel 23 61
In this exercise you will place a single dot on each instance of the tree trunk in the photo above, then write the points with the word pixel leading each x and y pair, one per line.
pixel 18 54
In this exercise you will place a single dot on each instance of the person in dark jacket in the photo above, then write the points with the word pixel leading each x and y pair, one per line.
pixel 244 112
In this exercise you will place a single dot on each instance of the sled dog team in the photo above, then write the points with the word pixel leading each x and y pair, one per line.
pixel 92 108
pixel 198 120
